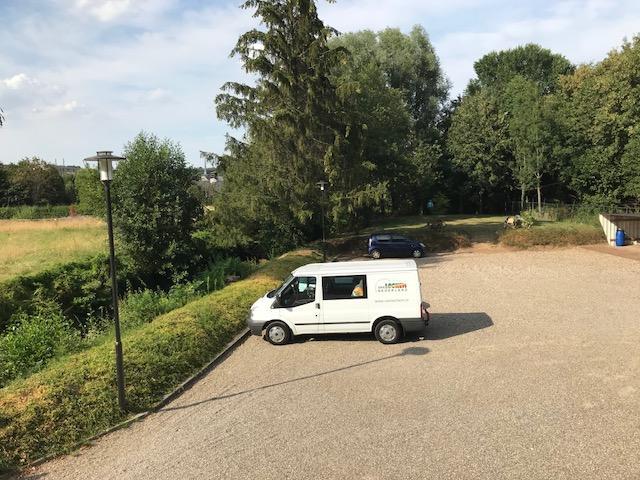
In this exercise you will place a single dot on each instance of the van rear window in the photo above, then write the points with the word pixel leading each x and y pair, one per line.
pixel 344 287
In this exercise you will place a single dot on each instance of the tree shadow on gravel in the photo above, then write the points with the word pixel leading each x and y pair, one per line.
pixel 447 325
pixel 406 352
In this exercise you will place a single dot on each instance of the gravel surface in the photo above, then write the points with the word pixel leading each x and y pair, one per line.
pixel 530 369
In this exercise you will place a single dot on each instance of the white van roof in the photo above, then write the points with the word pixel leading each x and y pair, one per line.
pixel 354 268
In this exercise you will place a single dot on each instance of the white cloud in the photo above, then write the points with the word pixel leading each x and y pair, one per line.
pixel 65 107
pixel 125 11
pixel 157 94
pixel 18 81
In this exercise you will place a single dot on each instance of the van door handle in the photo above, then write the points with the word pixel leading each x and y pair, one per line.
pixel 318 306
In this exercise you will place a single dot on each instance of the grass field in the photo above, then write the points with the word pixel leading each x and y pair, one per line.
pixel 29 246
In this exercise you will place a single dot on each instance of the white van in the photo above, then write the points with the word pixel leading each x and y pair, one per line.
pixel 382 297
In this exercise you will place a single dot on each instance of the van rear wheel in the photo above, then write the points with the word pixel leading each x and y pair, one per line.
pixel 388 331
pixel 278 333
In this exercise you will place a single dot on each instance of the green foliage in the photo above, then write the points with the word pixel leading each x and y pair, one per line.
pixel 539 65
pixel 154 213
pixel 138 308
pixel 90 192
pixel 34 212
pixel 34 182
pixel 34 339
pixel 510 114
pixel 75 398
pixel 553 234
pixel 80 289
pixel 600 116
pixel 300 128
pixel 393 85
pixel 479 143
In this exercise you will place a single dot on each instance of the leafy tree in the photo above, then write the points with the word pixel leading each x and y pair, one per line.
pixel 394 85
pixel 4 185
pixel 35 182
pixel 479 143
pixel 297 131
pixel 539 65
pixel 600 115
pixel 631 166
pixel 531 124
pixel 412 66
pixel 90 192
pixel 519 85
pixel 154 213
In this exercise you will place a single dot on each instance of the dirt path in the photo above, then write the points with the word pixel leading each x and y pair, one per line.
pixel 530 369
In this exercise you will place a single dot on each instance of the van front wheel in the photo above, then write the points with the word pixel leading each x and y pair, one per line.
pixel 375 254
pixel 278 333
pixel 388 331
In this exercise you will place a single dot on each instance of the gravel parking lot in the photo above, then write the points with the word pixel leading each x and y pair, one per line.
pixel 530 369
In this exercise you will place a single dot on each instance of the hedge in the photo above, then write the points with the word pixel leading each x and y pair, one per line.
pixel 554 234
pixel 75 398
pixel 27 212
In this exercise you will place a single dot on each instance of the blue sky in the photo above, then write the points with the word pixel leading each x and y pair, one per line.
pixel 78 76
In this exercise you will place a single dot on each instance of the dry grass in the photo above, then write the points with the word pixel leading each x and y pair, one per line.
pixel 28 246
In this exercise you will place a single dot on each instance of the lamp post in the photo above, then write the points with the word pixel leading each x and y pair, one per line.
pixel 322 185
pixel 105 161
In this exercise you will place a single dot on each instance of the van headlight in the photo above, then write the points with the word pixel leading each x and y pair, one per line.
pixel 423 245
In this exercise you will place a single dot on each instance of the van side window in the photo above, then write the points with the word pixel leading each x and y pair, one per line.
pixel 344 287
pixel 300 291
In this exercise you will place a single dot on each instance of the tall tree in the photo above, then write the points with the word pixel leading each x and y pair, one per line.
pixel 296 128
pixel 397 88
pixel 530 127
pixel 479 143
pixel 518 83
pixel 35 182
pixel 601 116
pixel 154 212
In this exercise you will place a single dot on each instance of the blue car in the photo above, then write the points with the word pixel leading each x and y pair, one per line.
pixel 390 245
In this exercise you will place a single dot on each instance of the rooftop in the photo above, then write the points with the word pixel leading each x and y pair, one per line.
pixel 348 268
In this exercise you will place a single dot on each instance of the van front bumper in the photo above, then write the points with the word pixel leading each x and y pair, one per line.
pixel 255 326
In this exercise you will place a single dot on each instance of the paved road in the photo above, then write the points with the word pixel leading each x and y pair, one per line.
pixel 531 369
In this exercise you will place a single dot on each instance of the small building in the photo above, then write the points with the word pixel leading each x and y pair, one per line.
pixel 628 222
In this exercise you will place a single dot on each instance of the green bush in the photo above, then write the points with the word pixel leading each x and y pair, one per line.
pixel 90 192
pixel 75 397
pixel 33 212
pixel 81 289
pixel 154 213
pixel 141 307
pixel 34 340
pixel 554 234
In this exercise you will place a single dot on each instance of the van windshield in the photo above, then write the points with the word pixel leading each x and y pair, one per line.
pixel 278 290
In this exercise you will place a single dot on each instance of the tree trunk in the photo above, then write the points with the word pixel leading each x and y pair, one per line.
pixel 539 197
pixel 522 194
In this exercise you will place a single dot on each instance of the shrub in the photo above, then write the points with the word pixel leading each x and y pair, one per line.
pixel 74 398
pixel 81 289
pixel 33 212
pixel 558 234
pixel 35 339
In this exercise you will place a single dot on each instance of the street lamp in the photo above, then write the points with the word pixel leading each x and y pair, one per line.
pixel 322 185
pixel 105 161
